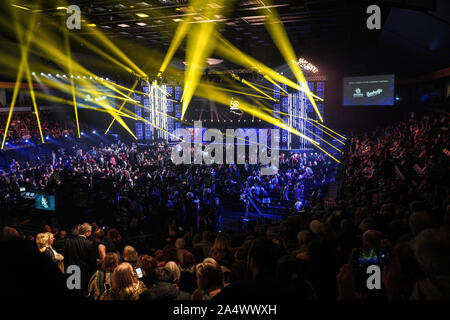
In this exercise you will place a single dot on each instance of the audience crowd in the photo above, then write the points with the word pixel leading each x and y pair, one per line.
pixel 155 230
pixel 23 126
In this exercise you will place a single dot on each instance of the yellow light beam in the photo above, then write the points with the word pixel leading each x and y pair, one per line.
pixel 24 54
pixel 323 140
pixel 125 88
pixel 242 93
pixel 178 37
pixel 230 52
pixel 13 102
pixel 247 93
pixel 123 103
pixel 325 131
pixel 322 125
pixel 101 103
pixel 33 99
pixel 101 52
pixel 79 105
pixel 200 45
pixel 257 89
pixel 73 91
pixel 281 39
pixel 223 99
pixel 284 93
pixel 106 41
pixel 273 82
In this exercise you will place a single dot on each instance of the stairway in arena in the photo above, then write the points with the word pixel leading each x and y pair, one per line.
pixel 277 205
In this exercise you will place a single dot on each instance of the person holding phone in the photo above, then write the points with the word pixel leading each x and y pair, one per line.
pixel 101 280
pixel 125 284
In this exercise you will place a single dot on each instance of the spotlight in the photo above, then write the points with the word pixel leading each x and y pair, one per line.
pixel 64 76
pixel 47 138
pixel 57 75
pixel 90 78
pixel 42 73
pixel 397 98
pixel 49 74
pixel 93 131
pixel 71 75
pixel 84 77
pixel 107 79
pixel 78 77
pixel 82 133
pixel 66 136
pixel 7 143
pixel 101 78
pixel 33 73
pixel 26 140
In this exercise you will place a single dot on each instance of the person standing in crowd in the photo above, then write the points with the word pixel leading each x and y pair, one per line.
pixel 81 251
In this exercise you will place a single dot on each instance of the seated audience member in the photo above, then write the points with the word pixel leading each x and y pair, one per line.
pixel 188 261
pixel 188 282
pixel 263 256
pixel 220 251
pixel 174 270
pixel 205 244
pixel 289 273
pixel 210 281
pixel 163 287
pixel 101 280
pixel 125 284
pixel 372 239
pixel 431 248
pixel 180 245
pixel 130 255
pixel 147 264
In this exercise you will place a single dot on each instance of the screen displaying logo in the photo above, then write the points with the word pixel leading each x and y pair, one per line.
pixel 358 93
pixel 374 92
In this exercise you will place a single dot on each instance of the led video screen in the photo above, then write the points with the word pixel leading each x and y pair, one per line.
pixel 369 90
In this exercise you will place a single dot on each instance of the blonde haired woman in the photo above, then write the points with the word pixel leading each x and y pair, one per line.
pixel 174 270
pixel 125 284
pixel 209 281
pixel 44 242
pixel 59 258
pixel 130 255
pixel 221 252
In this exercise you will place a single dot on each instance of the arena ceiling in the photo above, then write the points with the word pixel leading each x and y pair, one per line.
pixel 318 29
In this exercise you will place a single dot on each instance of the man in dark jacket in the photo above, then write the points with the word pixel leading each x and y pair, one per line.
pixel 80 251
pixel 162 287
